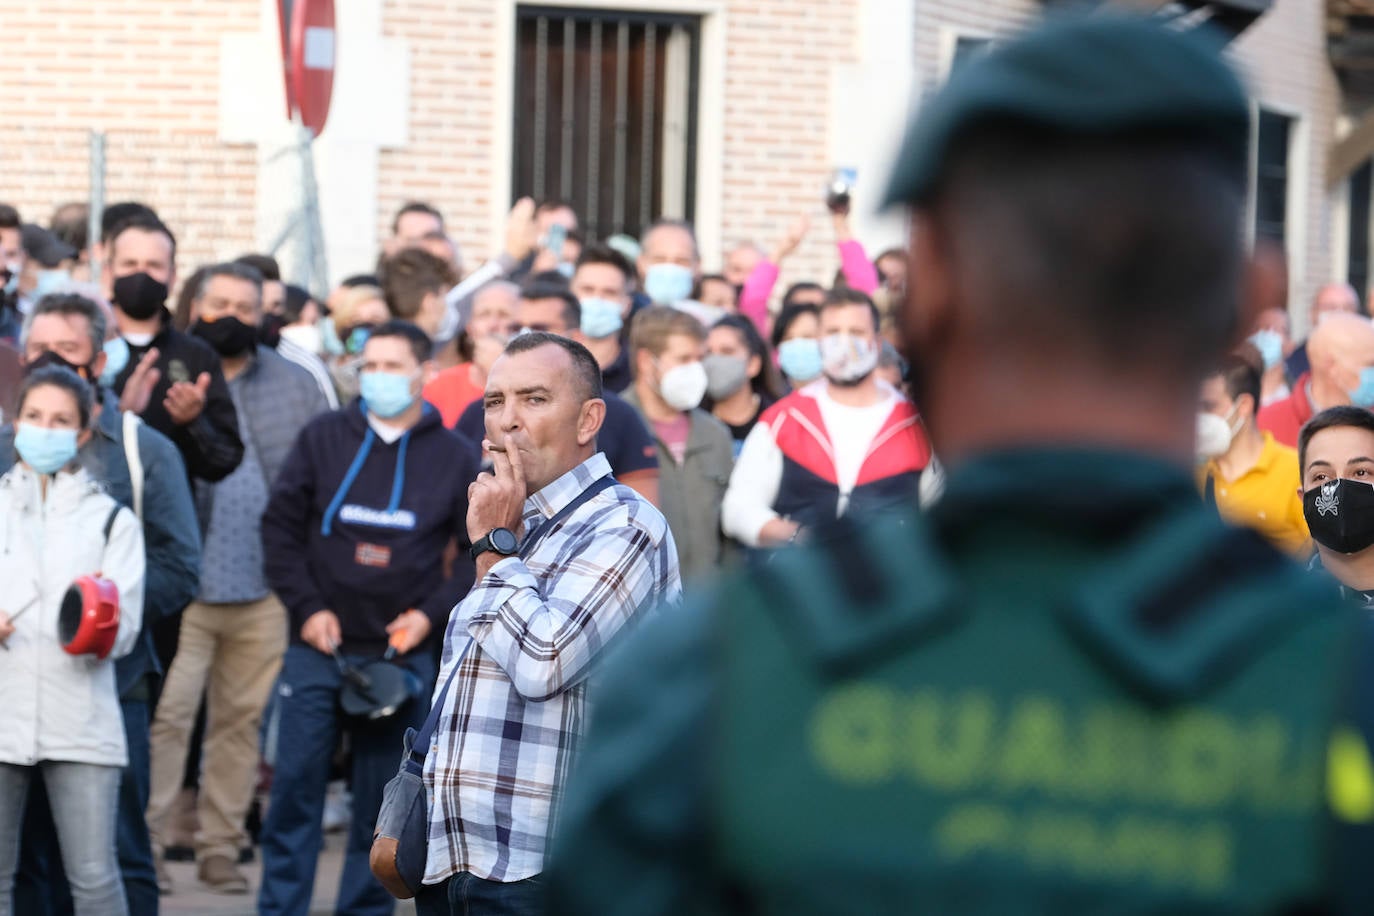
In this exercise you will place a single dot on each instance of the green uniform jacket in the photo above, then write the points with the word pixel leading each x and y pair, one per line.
pixel 1069 689
pixel 690 494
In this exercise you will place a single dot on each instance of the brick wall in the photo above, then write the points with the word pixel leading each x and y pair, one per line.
pixel 779 59
pixel 1284 58
pixel 147 73
pixel 447 162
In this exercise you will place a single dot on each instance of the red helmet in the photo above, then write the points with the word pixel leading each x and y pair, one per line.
pixel 89 620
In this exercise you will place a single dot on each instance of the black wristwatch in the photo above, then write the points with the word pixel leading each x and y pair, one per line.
pixel 498 540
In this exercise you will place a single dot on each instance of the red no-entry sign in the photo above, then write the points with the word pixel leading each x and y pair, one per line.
pixel 307 37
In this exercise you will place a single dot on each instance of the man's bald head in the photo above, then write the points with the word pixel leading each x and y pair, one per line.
pixel 1339 348
pixel 1334 299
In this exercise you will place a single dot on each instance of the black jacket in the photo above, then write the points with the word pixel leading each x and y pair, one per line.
pixel 359 527
pixel 209 444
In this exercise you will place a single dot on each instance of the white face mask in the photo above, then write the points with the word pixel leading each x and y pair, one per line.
pixel 683 387
pixel 305 336
pixel 847 359
pixel 1214 435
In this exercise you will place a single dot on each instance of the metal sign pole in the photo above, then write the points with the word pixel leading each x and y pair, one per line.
pixel 96 206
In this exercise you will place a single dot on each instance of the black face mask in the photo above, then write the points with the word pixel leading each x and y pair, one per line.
pixel 229 336
pixel 269 332
pixel 1340 515
pixel 49 358
pixel 139 296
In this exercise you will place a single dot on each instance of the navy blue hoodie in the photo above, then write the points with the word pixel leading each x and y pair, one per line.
pixel 359 527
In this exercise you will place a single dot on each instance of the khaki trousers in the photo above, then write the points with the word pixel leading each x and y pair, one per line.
pixel 231 653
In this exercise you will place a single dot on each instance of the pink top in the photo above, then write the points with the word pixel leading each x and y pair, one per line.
pixel 859 273
pixel 674 434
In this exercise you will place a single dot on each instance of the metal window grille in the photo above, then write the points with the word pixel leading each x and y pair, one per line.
pixel 1361 187
pixel 606 114
pixel 1271 175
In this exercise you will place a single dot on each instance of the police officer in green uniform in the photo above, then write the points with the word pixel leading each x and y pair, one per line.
pixel 1067 688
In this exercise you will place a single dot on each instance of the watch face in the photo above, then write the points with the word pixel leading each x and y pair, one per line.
pixel 503 540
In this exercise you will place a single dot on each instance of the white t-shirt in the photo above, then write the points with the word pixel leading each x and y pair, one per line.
pixel 852 431
pixel 385 431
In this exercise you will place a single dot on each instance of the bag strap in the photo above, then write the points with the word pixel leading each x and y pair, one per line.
pixel 419 747
pixel 134 459
pixel 109 522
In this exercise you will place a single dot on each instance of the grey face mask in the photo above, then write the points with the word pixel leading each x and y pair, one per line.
pixel 724 375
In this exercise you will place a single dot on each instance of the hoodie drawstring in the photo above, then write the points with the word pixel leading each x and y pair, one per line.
pixel 397 485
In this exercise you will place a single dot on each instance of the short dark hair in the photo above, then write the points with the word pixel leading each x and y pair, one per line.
pixel 361 280
pixel 600 253
pixel 235 269
pixel 415 206
pixel 9 217
pixel 72 224
pixel 294 300
pixel 551 204
pixel 584 364
pixel 411 274
pixel 143 223
pixel 805 286
pixel 539 289
pixel 71 305
pixel 1332 418
pixel 419 341
pixel 59 377
pixel 844 296
pixel 1128 250
pixel 113 216
pixel 1242 372
pixel 788 315
pixel 265 263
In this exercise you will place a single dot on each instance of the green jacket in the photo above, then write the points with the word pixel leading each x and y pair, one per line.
pixel 1068 689
pixel 690 494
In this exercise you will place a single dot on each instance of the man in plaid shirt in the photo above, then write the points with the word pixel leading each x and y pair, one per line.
pixel 545 605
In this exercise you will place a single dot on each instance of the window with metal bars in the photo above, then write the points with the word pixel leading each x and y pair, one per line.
pixel 1361 186
pixel 606 114
pixel 1272 138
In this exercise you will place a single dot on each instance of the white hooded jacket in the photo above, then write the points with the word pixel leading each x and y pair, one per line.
pixel 55 706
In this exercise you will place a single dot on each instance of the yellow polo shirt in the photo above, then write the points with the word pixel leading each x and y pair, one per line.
pixel 1265 497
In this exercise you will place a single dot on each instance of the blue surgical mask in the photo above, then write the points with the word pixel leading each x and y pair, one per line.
pixel 50 281
pixel 116 358
pixel 1363 396
pixel 668 284
pixel 601 318
pixel 386 394
pixel 1270 345
pixel 330 337
pixel 45 450
pixel 800 358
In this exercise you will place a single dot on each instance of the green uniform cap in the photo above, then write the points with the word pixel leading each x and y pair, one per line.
pixel 1096 77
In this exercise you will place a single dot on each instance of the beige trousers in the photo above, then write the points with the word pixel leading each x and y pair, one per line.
pixel 231 653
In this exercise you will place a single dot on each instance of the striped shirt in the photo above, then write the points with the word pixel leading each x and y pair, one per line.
pixel 514 714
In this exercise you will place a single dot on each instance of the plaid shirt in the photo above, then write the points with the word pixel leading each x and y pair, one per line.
pixel 514 714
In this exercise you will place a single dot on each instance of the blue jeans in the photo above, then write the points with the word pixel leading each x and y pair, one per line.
pixel 308 723
pixel 41 889
pixel 84 799
pixel 466 894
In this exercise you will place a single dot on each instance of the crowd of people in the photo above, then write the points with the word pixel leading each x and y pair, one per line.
pixel 302 466
pixel 436 498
